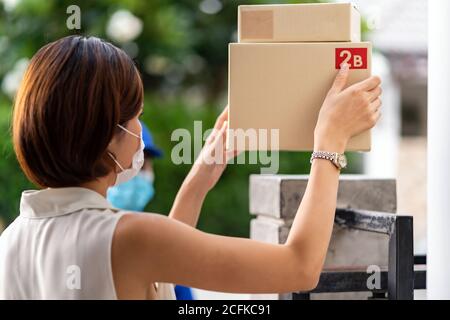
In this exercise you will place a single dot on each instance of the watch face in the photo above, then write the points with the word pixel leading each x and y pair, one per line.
pixel 342 161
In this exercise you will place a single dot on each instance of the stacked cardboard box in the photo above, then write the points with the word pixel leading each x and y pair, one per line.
pixel 284 64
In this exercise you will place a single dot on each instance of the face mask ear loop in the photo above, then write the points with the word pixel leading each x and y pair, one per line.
pixel 114 159
pixel 125 129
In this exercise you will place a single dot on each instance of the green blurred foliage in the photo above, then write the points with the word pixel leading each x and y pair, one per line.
pixel 182 53
pixel 175 32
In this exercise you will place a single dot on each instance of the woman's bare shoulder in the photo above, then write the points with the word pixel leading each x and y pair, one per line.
pixel 135 228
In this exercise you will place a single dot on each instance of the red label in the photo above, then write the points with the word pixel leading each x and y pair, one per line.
pixel 355 57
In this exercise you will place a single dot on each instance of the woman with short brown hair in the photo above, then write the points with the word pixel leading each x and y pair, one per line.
pixel 76 132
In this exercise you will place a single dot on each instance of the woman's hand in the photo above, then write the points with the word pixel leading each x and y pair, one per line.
pixel 213 158
pixel 347 112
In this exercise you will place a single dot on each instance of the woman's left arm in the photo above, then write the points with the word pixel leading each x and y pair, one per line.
pixel 188 202
pixel 204 174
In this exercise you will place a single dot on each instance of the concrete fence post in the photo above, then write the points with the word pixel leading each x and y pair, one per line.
pixel 274 200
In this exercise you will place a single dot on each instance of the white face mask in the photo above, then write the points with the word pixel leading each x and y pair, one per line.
pixel 136 165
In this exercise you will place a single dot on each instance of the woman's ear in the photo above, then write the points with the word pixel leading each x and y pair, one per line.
pixel 111 150
pixel 113 145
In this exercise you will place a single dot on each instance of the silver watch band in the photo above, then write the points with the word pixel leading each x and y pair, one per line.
pixel 323 155
pixel 339 160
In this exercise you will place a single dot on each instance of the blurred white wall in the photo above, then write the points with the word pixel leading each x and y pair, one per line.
pixel 382 160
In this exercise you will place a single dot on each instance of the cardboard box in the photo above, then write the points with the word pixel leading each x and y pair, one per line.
pixel 299 23
pixel 283 85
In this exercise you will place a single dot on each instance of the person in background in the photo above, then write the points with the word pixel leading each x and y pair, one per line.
pixel 136 193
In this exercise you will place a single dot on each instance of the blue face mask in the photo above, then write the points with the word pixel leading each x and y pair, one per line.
pixel 134 194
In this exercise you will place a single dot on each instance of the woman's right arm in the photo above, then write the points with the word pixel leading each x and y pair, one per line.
pixel 151 247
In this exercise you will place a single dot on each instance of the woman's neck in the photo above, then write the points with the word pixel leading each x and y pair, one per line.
pixel 99 185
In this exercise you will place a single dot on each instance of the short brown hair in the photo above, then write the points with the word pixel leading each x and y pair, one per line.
pixel 73 94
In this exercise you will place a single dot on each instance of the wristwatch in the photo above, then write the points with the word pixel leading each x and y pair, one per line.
pixel 338 159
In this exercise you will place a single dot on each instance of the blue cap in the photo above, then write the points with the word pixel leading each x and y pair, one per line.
pixel 150 146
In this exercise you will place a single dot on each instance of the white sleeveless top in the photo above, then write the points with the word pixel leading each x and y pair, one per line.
pixel 59 247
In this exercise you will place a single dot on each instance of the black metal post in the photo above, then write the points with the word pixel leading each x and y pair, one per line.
pixel 401 260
